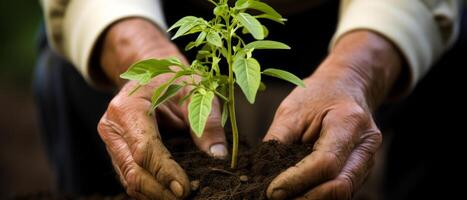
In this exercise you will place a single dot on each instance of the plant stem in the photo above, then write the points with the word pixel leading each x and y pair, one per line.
pixel 231 103
pixel 233 122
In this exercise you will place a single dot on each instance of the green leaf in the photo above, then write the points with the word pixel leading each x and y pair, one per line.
pixel 266 16
pixel 185 28
pixel 252 25
pixel 199 110
pixel 214 39
pixel 220 10
pixel 239 3
pixel 266 31
pixel 260 6
pixel 248 77
pixel 225 114
pixel 143 71
pixel 187 19
pixel 266 44
pixel 162 88
pixel 284 75
pixel 169 93
pixel 245 31
pixel 201 38
pixel 175 61
pixel 190 46
pixel 262 87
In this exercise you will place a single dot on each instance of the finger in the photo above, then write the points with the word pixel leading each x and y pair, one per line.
pixel 140 182
pixel 352 176
pixel 213 140
pixel 287 124
pixel 139 132
pixel 151 154
pixel 340 132
pixel 137 182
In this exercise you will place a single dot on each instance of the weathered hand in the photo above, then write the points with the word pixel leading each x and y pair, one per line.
pixel 131 136
pixel 334 112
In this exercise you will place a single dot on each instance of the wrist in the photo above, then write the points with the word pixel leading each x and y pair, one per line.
pixel 366 64
pixel 128 41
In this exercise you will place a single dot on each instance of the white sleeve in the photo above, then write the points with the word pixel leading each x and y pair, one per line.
pixel 422 29
pixel 74 26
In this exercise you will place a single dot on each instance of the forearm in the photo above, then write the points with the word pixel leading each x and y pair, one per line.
pixel 365 64
pixel 128 41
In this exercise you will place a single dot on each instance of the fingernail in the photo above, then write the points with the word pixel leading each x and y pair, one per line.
pixel 278 194
pixel 176 188
pixel 218 150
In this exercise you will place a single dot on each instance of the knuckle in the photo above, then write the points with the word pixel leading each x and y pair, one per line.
pixel 371 141
pixel 343 189
pixel 285 108
pixel 132 180
pixel 331 164
pixel 131 192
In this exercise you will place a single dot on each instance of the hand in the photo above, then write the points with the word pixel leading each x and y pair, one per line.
pixel 334 112
pixel 132 137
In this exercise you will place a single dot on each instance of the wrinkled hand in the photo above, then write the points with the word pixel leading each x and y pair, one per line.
pixel 132 138
pixel 334 112
pixel 144 165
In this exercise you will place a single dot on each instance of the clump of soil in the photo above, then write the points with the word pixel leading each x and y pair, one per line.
pixel 257 167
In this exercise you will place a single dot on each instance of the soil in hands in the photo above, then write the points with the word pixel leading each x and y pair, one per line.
pixel 257 167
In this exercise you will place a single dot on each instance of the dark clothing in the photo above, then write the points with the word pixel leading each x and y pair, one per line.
pixel 69 112
pixel 424 158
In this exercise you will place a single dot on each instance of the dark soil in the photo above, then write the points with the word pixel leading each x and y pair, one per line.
pixel 257 167
pixel 213 179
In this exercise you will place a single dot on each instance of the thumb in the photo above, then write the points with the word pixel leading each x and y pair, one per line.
pixel 213 140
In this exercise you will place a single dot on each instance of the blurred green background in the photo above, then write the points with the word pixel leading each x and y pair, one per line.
pixel 23 166
pixel 19 21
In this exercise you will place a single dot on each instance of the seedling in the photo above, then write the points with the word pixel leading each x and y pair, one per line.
pixel 220 43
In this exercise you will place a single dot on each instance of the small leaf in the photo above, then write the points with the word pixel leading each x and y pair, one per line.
pixel 248 76
pixel 220 10
pixel 143 71
pixel 284 75
pixel 266 16
pixel 266 44
pixel 262 87
pixel 266 31
pixel 252 25
pixel 174 61
pixel 215 63
pixel 182 21
pixel 245 31
pixel 198 28
pixel 239 3
pixel 199 110
pixel 201 38
pixel 190 46
pixel 260 6
pixel 169 93
pixel 214 39
pixel 225 114
pixel 160 90
pixel 184 28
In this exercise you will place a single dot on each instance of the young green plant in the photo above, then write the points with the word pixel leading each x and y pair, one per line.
pixel 220 43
